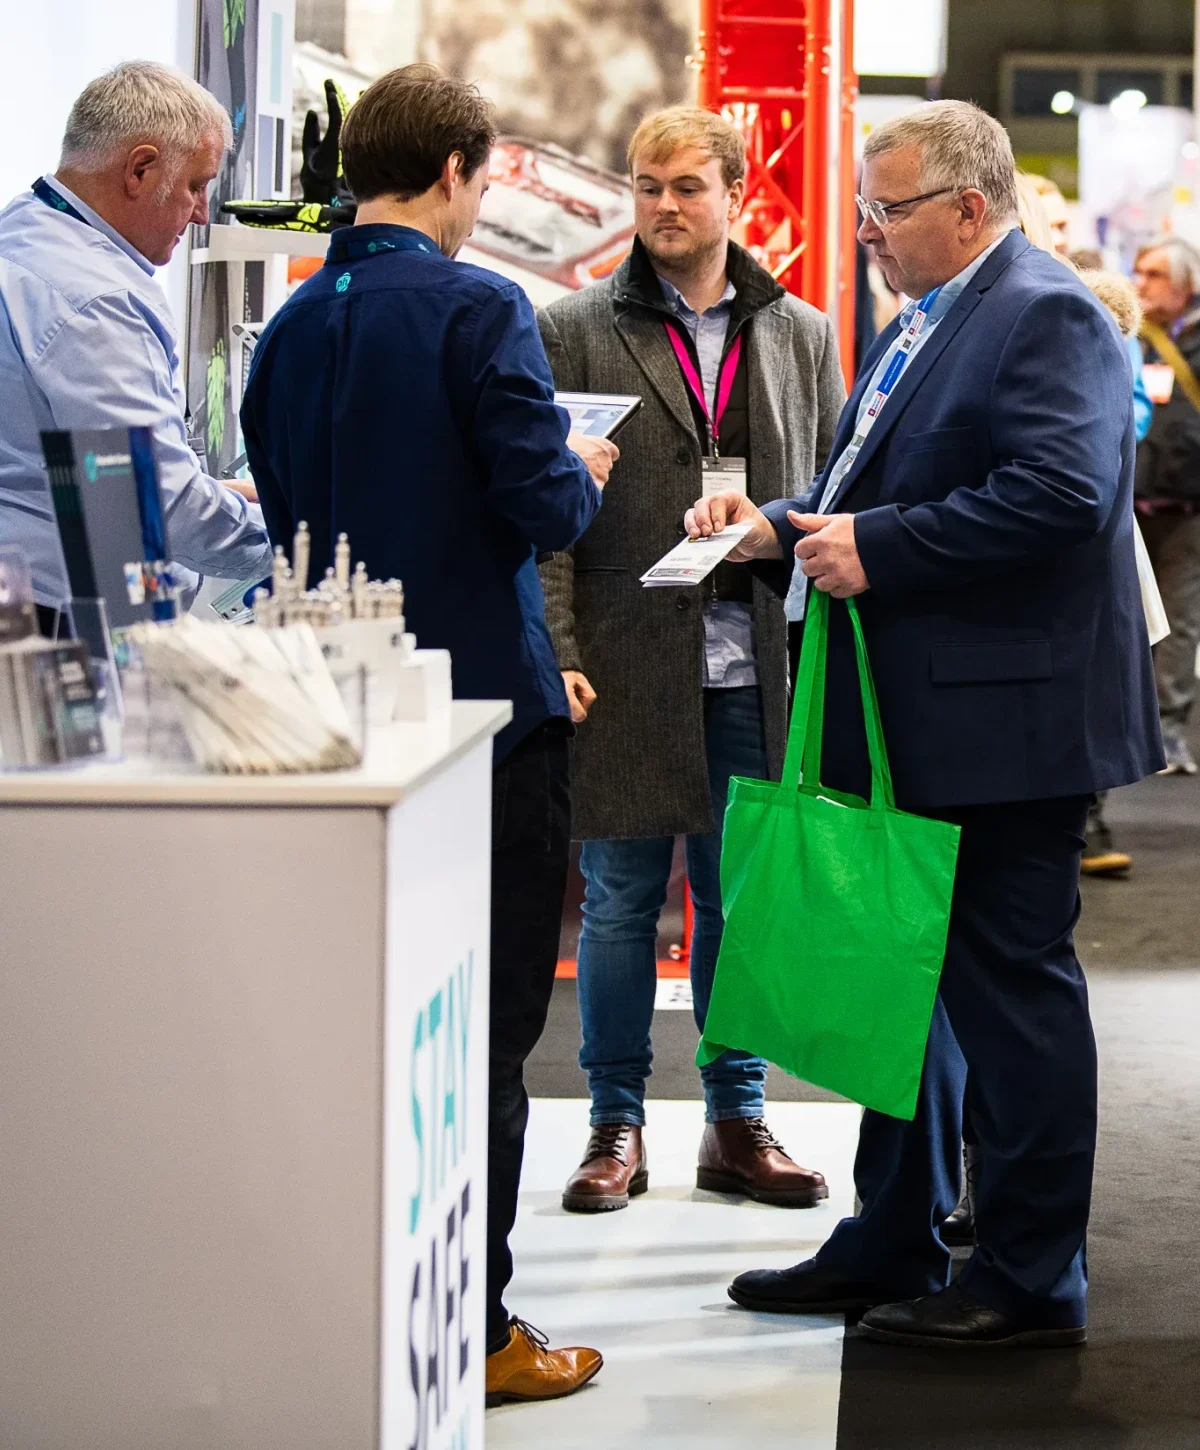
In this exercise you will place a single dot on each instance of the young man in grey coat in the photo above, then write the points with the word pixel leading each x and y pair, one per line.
pixel 675 690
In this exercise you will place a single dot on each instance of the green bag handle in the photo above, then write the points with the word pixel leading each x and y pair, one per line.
pixel 805 735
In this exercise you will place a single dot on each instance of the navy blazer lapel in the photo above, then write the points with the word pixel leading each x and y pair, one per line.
pixel 914 374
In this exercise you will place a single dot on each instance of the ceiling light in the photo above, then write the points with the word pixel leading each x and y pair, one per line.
pixel 1126 106
pixel 1062 103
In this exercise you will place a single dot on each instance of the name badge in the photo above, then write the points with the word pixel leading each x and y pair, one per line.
pixel 1159 381
pixel 723 475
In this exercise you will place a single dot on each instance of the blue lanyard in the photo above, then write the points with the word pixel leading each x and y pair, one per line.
pixel 908 342
pixel 377 239
pixel 45 192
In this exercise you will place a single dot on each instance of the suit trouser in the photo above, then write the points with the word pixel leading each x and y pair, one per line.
pixel 531 844
pixel 1013 1007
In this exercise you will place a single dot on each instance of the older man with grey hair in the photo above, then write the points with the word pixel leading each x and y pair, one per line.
pixel 86 336
pixel 1167 492
pixel 978 504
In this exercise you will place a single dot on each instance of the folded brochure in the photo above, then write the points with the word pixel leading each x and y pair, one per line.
pixel 694 559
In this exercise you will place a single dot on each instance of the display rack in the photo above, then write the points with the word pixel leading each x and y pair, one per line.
pixel 236 243
pixel 783 72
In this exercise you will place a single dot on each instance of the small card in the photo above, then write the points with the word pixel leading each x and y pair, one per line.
pixel 694 559
pixel 1159 381
pixel 723 475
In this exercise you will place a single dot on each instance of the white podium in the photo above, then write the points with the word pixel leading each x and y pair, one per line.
pixel 243 1102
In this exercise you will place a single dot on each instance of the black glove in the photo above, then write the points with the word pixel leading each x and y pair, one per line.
pixel 291 216
pixel 321 178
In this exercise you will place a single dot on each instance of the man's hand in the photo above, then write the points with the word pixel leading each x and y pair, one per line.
pixel 829 555
pixel 710 515
pixel 244 486
pixel 580 695
pixel 598 453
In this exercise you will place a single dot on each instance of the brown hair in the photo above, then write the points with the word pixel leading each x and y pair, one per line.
pixel 404 126
pixel 659 136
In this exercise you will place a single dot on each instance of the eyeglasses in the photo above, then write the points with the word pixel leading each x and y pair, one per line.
pixel 879 211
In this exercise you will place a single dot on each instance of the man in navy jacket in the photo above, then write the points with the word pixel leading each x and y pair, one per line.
pixel 404 398
pixel 978 499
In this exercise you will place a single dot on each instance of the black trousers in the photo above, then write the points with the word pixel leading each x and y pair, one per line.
pixel 531 833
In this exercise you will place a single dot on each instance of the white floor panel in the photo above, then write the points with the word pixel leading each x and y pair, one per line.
pixel 683 1366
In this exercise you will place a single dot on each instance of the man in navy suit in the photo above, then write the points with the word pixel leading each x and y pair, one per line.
pixel 978 501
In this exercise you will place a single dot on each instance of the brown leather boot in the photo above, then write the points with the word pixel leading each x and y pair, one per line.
pixel 744 1156
pixel 525 1369
pixel 612 1172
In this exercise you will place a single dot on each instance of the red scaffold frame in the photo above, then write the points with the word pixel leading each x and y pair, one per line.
pixel 783 72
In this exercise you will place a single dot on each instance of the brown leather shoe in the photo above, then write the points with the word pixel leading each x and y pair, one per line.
pixel 525 1369
pixel 744 1156
pixel 612 1172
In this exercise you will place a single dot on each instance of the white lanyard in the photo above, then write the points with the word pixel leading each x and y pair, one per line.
pixel 886 386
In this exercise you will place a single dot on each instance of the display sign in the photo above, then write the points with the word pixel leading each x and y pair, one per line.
pixel 900 37
pixel 435 1115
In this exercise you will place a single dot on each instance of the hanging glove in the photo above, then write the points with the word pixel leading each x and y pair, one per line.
pixel 291 216
pixel 321 177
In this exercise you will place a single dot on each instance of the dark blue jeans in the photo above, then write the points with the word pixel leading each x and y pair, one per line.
pixel 626 887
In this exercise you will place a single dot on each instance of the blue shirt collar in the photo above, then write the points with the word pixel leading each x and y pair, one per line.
pixel 348 244
pixel 679 303
pixel 97 222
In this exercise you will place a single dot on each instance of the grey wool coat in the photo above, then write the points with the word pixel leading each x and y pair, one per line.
pixel 639 764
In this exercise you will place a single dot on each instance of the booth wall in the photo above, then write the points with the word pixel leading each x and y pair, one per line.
pixel 55 48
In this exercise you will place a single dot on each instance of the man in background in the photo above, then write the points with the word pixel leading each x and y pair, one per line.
pixel 1167 273
pixel 677 690
pixel 404 398
pixel 86 336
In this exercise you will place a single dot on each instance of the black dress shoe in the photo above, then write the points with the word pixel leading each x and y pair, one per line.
pixel 804 1289
pixel 953 1320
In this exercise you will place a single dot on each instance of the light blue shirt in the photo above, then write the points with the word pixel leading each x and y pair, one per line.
pixel 87 341
pixel 945 300
pixel 728 626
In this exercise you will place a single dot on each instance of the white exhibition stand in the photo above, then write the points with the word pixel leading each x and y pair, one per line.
pixel 243 1102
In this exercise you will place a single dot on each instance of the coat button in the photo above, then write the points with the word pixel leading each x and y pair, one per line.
pixel 683 455
pixel 683 604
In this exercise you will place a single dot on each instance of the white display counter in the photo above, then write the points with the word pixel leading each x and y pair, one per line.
pixel 243 1102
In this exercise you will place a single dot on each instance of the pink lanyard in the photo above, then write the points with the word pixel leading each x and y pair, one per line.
pixel 724 380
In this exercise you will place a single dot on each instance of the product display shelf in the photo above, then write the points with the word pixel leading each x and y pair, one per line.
pixel 232 242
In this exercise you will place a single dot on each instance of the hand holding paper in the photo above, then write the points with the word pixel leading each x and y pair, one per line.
pixel 720 511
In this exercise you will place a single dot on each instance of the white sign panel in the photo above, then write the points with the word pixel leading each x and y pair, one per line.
pixel 435 1113
pixel 900 37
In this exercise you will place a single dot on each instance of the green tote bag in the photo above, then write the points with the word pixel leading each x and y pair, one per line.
pixel 836 911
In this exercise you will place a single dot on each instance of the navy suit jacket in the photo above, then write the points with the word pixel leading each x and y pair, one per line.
pixel 405 399
pixel 994 520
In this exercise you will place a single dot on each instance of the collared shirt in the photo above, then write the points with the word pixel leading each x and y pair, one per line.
pixel 87 341
pixel 946 298
pixel 728 626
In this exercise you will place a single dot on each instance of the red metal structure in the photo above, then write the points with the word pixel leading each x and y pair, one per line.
pixel 783 71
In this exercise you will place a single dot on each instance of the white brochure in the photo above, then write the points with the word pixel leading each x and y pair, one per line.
pixel 694 559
